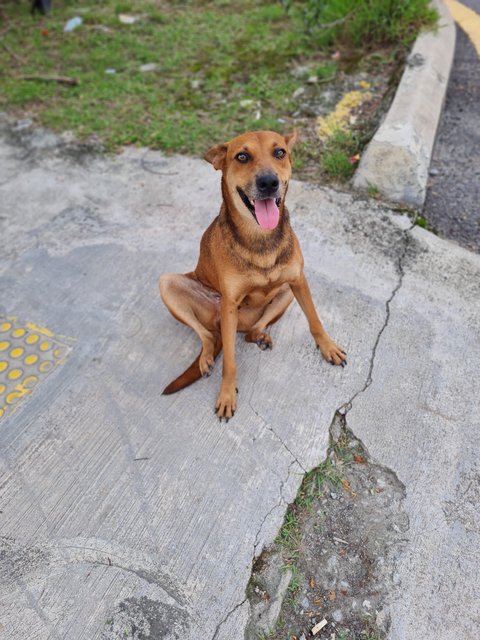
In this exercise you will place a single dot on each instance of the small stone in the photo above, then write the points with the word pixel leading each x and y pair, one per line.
pixel 298 92
pixel 246 103
pixel 337 615
pixel 366 604
pixel 302 637
pixel 150 66
pixel 312 79
pixel 195 84
pixel 434 172
pixel 299 72
pixel 110 72
pixel 21 125
pixel 305 602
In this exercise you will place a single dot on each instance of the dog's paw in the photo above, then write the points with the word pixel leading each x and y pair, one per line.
pixel 261 339
pixel 206 365
pixel 226 404
pixel 332 352
pixel 264 342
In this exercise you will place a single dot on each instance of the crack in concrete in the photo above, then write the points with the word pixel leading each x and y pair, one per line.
pixel 276 506
pixel 343 410
pixel 270 428
pixel 347 406
pixel 224 620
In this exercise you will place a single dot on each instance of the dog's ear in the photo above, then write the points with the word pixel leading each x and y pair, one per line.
pixel 216 155
pixel 291 139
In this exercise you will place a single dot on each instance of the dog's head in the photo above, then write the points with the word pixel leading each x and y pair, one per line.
pixel 256 168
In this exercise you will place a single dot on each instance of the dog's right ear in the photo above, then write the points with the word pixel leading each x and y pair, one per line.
pixel 216 155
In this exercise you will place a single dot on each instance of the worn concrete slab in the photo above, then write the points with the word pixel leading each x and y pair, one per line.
pixel 124 511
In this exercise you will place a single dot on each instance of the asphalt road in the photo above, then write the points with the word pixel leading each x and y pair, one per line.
pixel 452 206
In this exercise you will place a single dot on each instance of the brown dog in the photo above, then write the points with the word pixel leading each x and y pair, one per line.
pixel 250 265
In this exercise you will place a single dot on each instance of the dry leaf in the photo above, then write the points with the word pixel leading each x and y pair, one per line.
pixel 359 459
pixel 312 582
pixel 331 595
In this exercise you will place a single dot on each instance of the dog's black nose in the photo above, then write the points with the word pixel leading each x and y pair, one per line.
pixel 267 183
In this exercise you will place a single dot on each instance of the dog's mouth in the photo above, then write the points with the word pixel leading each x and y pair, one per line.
pixel 266 212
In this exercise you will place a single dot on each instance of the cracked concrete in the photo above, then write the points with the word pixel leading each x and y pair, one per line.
pixel 168 494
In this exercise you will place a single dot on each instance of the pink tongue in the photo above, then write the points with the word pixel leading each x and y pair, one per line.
pixel 267 213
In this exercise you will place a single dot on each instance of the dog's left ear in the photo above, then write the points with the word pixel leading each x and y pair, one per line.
pixel 291 139
pixel 216 155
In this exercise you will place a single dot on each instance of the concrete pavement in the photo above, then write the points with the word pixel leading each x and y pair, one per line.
pixel 125 513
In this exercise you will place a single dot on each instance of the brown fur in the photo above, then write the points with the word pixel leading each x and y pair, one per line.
pixel 246 276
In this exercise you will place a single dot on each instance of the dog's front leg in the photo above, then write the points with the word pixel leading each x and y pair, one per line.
pixel 331 351
pixel 227 398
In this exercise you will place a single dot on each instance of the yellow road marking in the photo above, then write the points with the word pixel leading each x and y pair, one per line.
pixel 467 19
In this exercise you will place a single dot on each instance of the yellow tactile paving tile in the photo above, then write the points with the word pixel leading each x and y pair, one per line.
pixel 28 353
pixel 468 20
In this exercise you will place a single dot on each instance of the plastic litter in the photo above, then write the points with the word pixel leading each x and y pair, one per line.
pixel 72 24
pixel 126 18
pixel 150 66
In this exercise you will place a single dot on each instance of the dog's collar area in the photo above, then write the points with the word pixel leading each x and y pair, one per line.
pixel 250 206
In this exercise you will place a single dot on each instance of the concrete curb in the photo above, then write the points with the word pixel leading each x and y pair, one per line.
pixel 397 158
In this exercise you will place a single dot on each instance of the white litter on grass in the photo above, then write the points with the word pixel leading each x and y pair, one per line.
pixel 126 18
pixel 150 66
pixel 72 24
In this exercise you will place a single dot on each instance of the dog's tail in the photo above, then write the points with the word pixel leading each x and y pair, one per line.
pixel 193 373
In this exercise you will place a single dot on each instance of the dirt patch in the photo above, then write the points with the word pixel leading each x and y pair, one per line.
pixel 340 541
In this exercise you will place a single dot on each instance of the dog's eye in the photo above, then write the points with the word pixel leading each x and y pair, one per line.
pixel 279 153
pixel 242 157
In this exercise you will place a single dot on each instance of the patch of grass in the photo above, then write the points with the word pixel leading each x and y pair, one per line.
pixel 365 25
pixel 372 191
pixel 222 67
pixel 339 148
pixel 421 221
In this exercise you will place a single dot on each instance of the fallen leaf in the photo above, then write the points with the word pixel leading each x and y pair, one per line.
pixel 354 159
pixel 331 595
pixel 358 459
pixel 347 487
pixel 312 582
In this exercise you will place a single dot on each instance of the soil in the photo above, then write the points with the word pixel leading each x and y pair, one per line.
pixel 350 537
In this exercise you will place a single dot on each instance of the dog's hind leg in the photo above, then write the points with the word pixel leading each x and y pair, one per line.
pixel 190 302
pixel 273 312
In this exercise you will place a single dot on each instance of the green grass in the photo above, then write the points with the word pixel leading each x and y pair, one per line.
pixel 339 148
pixel 223 67
pixel 364 25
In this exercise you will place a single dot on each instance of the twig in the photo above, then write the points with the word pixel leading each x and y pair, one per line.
pixel 11 52
pixel 71 82
pixel 335 23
